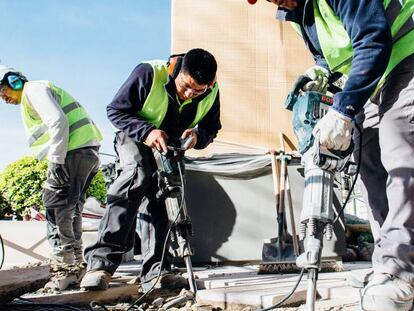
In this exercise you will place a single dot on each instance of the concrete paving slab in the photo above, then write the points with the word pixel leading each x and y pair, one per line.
pixel 237 287
pixel 233 288
pixel 118 291
pixel 15 282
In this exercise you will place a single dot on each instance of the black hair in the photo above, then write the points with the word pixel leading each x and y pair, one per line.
pixel 200 65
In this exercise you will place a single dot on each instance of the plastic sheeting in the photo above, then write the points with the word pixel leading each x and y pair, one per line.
pixel 231 165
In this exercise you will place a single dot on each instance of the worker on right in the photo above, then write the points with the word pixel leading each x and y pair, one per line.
pixel 372 43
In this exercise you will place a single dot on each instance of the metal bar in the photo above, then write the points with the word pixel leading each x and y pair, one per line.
pixel 190 273
pixel 311 290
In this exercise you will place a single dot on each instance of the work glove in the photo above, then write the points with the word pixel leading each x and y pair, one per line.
pixel 334 131
pixel 193 134
pixel 58 173
pixel 319 77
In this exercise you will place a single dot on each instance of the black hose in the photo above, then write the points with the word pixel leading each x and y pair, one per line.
pixel 30 304
pixel 356 175
pixel 288 295
pixel 135 303
pixel 335 220
pixel 107 154
pixel 94 304
pixel 2 252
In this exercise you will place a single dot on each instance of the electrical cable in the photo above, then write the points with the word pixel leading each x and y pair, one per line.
pixel 335 220
pixel 1 252
pixel 135 303
pixel 107 154
pixel 288 295
pixel 356 175
pixel 42 305
pixel 94 304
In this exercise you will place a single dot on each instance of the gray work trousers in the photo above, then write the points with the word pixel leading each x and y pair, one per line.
pixel 387 172
pixel 64 204
pixel 131 193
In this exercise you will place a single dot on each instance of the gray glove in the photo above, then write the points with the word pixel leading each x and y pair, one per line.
pixel 58 173
pixel 319 76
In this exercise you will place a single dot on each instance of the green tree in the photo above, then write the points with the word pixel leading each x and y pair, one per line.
pixel 5 207
pixel 21 185
pixel 97 188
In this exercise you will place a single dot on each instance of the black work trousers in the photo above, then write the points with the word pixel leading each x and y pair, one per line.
pixel 131 193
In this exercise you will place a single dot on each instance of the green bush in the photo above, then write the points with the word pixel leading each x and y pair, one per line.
pixel 22 181
pixel 97 188
pixel 21 184
pixel 5 207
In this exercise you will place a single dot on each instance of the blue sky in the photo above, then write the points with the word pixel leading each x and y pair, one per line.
pixel 86 47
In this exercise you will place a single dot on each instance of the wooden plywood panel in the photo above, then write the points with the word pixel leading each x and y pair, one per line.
pixel 259 58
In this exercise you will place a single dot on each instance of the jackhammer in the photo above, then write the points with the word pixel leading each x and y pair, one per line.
pixel 170 177
pixel 171 185
pixel 320 166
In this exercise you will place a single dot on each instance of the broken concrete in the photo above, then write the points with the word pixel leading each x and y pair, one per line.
pixel 17 281
pixel 64 276
pixel 117 292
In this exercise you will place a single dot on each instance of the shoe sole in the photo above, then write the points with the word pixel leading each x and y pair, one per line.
pixel 371 303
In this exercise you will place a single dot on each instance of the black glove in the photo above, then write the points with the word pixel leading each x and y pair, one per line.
pixel 58 173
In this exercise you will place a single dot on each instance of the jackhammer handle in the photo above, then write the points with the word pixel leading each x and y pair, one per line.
pixel 303 79
pixel 185 143
pixel 331 80
pixel 300 83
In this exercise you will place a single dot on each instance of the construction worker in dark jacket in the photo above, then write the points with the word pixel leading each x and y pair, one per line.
pixel 159 102
pixel 372 43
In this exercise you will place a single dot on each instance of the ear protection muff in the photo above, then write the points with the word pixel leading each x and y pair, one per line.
pixel 174 64
pixel 14 81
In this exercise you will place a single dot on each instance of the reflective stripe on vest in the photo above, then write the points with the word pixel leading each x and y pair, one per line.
pixel 336 44
pixel 82 129
pixel 156 104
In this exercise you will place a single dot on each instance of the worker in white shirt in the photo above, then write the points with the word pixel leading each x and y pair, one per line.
pixel 58 128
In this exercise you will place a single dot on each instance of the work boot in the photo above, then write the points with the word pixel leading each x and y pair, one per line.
pixel 358 278
pixel 79 256
pixel 67 257
pixel 167 281
pixel 386 292
pixel 96 280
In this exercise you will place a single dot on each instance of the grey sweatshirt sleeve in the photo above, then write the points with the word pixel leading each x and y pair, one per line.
pixel 40 98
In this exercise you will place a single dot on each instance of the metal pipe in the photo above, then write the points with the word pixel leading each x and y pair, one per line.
pixel 190 273
pixel 311 290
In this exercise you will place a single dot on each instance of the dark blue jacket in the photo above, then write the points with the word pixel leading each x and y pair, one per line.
pixel 122 111
pixel 370 34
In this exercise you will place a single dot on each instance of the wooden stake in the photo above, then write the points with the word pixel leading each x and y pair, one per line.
pixel 292 217
pixel 286 188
